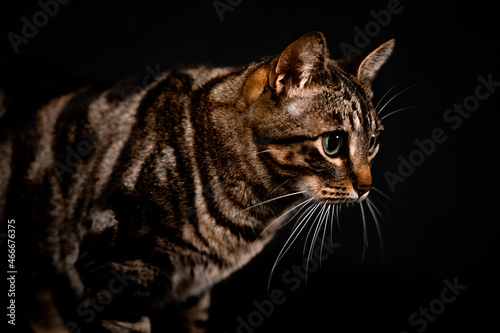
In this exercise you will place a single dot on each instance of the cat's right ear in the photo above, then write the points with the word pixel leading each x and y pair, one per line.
pixel 291 69
pixel 298 63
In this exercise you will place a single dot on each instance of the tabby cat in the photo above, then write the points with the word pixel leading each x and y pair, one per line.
pixel 130 200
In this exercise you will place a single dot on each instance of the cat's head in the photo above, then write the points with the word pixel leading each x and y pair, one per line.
pixel 313 118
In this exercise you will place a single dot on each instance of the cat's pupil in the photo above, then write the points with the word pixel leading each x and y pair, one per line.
pixel 332 142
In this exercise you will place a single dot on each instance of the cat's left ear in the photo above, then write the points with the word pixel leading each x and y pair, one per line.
pixel 364 65
pixel 371 64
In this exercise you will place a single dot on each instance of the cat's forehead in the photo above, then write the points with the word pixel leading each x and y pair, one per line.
pixel 337 102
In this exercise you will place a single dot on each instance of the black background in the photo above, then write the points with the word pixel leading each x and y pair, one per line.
pixel 440 223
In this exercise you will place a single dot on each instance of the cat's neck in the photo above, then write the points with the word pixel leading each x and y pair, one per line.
pixel 230 153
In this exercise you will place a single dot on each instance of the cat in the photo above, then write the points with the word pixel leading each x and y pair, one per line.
pixel 131 200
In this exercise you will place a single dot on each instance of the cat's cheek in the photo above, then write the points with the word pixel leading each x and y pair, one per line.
pixel 310 184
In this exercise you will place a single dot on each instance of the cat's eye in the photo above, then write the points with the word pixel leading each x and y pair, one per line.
pixel 373 144
pixel 332 142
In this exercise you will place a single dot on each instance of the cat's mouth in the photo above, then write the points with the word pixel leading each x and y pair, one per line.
pixel 343 199
pixel 341 193
pixel 334 196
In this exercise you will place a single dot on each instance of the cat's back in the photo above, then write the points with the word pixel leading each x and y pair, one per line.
pixel 69 138
pixel 55 131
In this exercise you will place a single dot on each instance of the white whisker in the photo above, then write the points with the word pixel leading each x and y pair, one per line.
pixel 379 200
pixel 307 236
pixel 277 198
pixel 307 208
pixel 369 205
pixel 296 231
pixel 372 204
pixel 286 181
pixel 265 151
pixel 365 237
pixel 332 210
pixel 288 211
pixel 313 240
pixel 307 218
pixel 299 219
pixel 382 193
pixel 387 93
pixel 324 233
pixel 398 110
pixel 339 208
pixel 392 98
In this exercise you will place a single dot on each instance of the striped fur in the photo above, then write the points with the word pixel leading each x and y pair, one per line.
pixel 159 186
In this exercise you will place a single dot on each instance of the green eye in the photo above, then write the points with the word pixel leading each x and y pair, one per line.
pixel 332 143
pixel 373 144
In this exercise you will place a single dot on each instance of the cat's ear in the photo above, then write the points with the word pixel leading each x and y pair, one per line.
pixel 371 64
pixel 366 64
pixel 295 66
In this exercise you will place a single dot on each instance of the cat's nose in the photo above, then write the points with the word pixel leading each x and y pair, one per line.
pixel 362 182
pixel 363 190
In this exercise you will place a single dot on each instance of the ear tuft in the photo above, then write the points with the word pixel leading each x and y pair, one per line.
pixel 371 64
pixel 295 66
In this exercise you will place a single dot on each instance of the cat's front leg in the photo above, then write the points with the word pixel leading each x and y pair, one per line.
pixel 191 316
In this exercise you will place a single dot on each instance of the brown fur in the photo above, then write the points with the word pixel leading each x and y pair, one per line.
pixel 169 189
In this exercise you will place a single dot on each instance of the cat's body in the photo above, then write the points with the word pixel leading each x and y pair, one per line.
pixel 160 191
